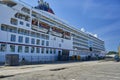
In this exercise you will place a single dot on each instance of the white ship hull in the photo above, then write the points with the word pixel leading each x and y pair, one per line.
pixel 35 44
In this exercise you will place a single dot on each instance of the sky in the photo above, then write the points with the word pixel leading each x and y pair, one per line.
pixel 101 17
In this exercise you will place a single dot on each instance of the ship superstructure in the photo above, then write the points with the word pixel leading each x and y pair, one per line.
pixel 37 34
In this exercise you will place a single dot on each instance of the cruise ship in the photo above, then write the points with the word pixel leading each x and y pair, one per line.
pixel 36 34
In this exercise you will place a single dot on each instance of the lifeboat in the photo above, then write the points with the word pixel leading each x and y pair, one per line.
pixel 57 31
pixel 44 25
pixel 35 22
pixel 67 35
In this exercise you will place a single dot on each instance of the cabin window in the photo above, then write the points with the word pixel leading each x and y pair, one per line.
pixel 43 42
pixel 12 29
pixel 33 34
pixel 25 10
pixel 12 48
pixel 8 28
pixel 26 49
pixel 13 38
pixel 27 40
pixel 3 27
pixel 20 49
pixel 21 23
pixel 47 43
pixel 27 24
pixel 38 42
pixel 22 16
pixel 37 50
pixel 43 36
pixel 32 49
pixel 32 41
pixel 3 47
pixel 26 32
pixel 20 39
pixel 21 31
pixel 38 35
pixel 42 50
pixel 14 21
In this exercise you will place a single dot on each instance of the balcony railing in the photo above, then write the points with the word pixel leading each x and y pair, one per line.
pixel 56 34
pixel 39 29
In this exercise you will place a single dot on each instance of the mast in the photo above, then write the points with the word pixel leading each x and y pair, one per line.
pixel 43 5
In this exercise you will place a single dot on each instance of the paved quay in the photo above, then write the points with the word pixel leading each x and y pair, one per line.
pixel 93 70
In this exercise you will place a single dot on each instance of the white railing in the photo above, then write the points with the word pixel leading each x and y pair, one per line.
pixel 68 37
pixel 56 34
pixel 39 29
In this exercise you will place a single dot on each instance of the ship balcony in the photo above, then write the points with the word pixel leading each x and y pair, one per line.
pixel 14 21
pixel 56 34
pixel 25 10
pixel 8 3
pixel 34 27
pixel 49 23
pixel 81 47
pixel 67 37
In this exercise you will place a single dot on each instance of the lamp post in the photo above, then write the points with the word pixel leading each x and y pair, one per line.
pixel 119 50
